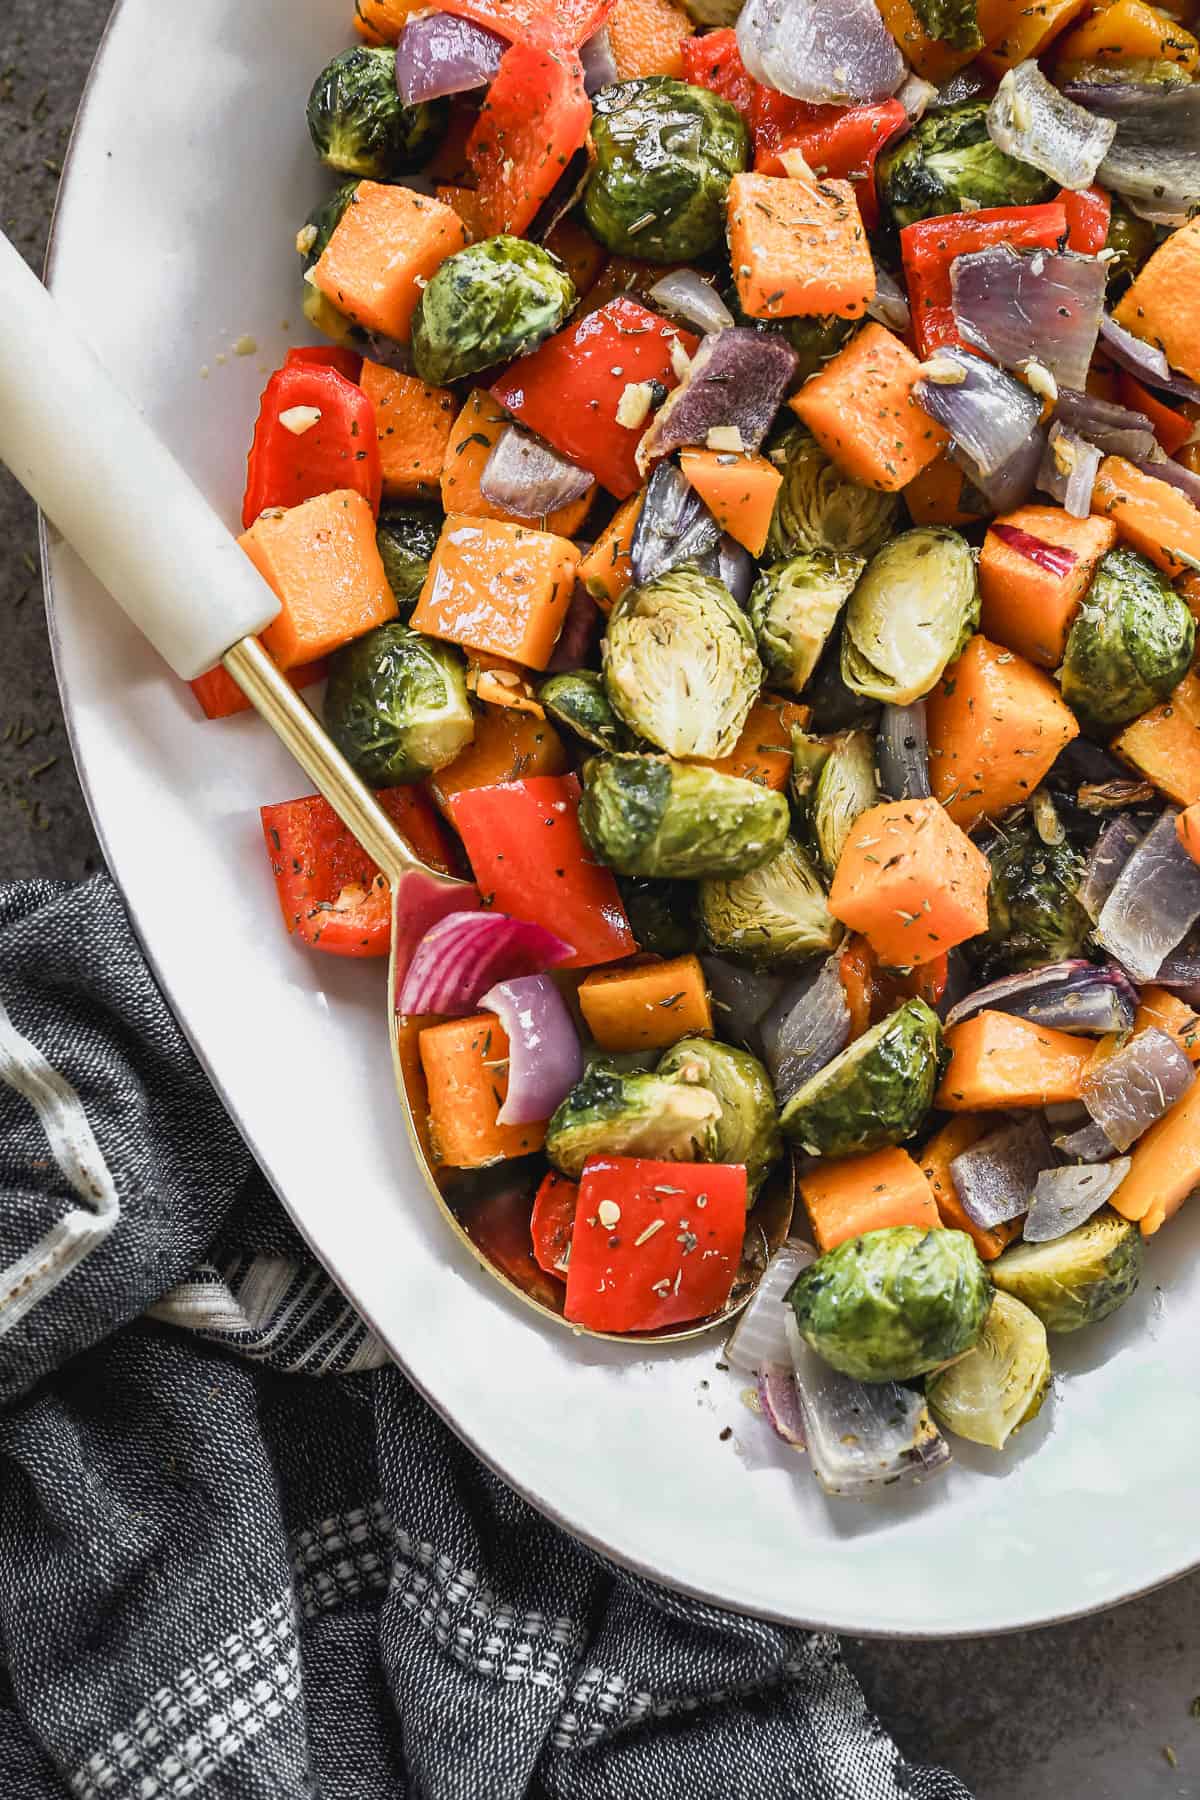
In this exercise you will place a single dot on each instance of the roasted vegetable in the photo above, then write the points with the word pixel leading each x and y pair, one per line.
pixel 876 1092
pixel 615 1113
pixel 953 22
pixel 665 153
pixel 580 701
pixel 487 304
pixel 947 159
pixel 396 705
pixel 748 1128
pixel 646 815
pixel 1078 1279
pixel 794 606
pixel 894 1304
pixel 845 788
pixel 911 614
pixel 311 239
pixel 772 916
pixel 1034 915
pixel 1132 240
pixel 661 914
pixel 680 663
pixel 1131 643
pixel 360 126
pixel 820 508
pixel 1000 1384
pixel 407 537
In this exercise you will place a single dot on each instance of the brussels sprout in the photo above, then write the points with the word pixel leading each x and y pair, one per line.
pixel 661 914
pixel 1134 240
pixel 835 707
pixel 1033 913
pixel 359 124
pixel 794 606
pixel 775 914
pixel 748 1128
pixel 815 340
pixel 580 702
pixel 874 1092
pixel 610 1113
pixel 646 815
pixel 948 158
pixel 407 537
pixel 396 705
pixel 1130 645
pixel 487 304
pixel 845 788
pixel 1078 1279
pixel 953 22
pixel 311 241
pixel 665 153
pixel 819 507
pixel 680 663
pixel 893 1304
pixel 999 1385
pixel 910 615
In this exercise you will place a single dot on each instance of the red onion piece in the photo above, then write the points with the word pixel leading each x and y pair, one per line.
pixel 1056 560
pixel 1007 487
pixel 741 998
pixel 916 97
pixel 579 635
pixel 1132 1089
pixel 990 416
pixel 1109 854
pixel 440 54
pixel 1031 120
pixel 1073 996
pixel 1154 160
pixel 1087 1144
pixel 806 1028
pixel 1040 306
pixel 687 295
pixel 545 1058
pixel 1068 470
pixel 760 1339
pixel 1066 1198
pixel 1116 430
pixel 996 1177
pixel 1146 361
pixel 599 64
pixel 736 568
pixel 466 953
pixel 738 377
pixel 1179 972
pixel 525 475
pixel 1173 473
pixel 674 526
pixel 889 304
pixel 814 51
pixel 1154 903
pixel 419 902
pixel 780 1401
pixel 902 752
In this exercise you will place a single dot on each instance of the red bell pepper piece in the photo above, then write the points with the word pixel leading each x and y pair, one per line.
pixel 1088 213
pixel 330 890
pixel 530 860
pixel 327 356
pixel 220 697
pixel 535 21
pixel 715 62
pixel 671 1251
pixel 1171 428
pixel 552 1224
pixel 569 390
pixel 536 116
pixel 931 245
pixel 836 141
pixel 340 451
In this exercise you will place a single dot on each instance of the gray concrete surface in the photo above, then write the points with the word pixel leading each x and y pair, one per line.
pixel 1099 1710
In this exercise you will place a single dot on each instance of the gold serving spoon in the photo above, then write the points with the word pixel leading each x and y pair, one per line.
pixel 186 584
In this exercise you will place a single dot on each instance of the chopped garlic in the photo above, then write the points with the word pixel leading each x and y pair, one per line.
pixel 681 362
pixel 943 371
pixel 245 346
pixel 306 237
pixel 1039 379
pixel 797 165
pixel 633 408
pixel 609 1214
pixel 299 419
pixel 1065 456
pixel 724 437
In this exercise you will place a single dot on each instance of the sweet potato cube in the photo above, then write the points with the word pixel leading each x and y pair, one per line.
pixel 1166 1166
pixel 860 409
pixel 472 438
pixel 798 248
pixel 1149 514
pixel 995 726
pixel 857 1194
pixel 322 561
pixel 466 1071
pixel 763 753
pixel 1027 606
pixel 647 1007
pixel 413 421
pixel 1160 306
pixel 498 588
pixel 1164 744
pixel 999 1061
pixel 385 248
pixel 911 882
pixel 739 491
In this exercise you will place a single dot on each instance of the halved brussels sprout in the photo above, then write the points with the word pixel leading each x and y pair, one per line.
pixel 1034 915
pixel 776 914
pixel 948 158
pixel 845 788
pixel 794 605
pixel 748 1128
pixel 815 340
pixel 665 152
pixel 407 537
pixel 893 1304
pixel 1130 645
pixel 1001 1383
pixel 396 705
pixel 680 663
pixel 821 508
pixel 487 304
pixel 661 914
pixel 580 702
pixel 647 815
pixel 1078 1279
pixel 629 1114
pixel 910 615
pixel 875 1092
pixel 1133 242
pixel 359 124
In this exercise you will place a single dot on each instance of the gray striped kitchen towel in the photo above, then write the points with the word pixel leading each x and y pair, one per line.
pixel 240 1558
